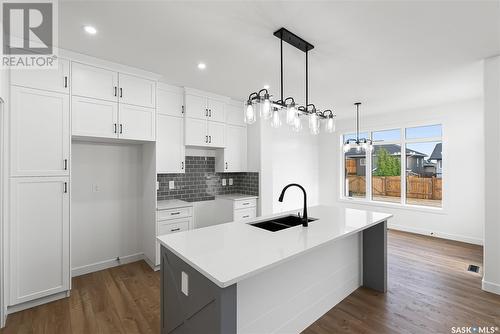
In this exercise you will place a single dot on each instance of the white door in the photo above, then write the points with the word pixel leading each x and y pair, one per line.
pixel 235 153
pixel 196 107
pixel 216 134
pixel 94 82
pixel 170 150
pixel 56 80
pixel 137 123
pixel 234 114
pixel 169 102
pixel 196 132
pixel 38 237
pixel 216 110
pixel 40 135
pixel 94 118
pixel 136 91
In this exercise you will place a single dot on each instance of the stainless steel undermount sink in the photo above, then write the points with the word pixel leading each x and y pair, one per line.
pixel 281 223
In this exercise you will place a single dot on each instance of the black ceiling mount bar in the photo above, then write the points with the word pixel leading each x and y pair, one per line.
pixel 292 39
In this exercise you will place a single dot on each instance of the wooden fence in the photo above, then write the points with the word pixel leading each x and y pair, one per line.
pixel 416 187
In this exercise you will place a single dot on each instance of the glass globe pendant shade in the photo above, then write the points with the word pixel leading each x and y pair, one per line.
pixel 314 123
pixel 297 123
pixel 266 107
pixel 250 115
pixel 275 120
pixel 291 113
pixel 330 124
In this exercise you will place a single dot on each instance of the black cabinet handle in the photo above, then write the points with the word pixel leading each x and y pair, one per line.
pixel 65 187
pixel 65 81
pixel 209 112
pixel 206 139
pixel 246 216
pixel 210 139
pixel 115 90
pixel 182 165
pixel 114 127
pixel 175 229
pixel 226 165
pixel 182 110
pixel 121 92
pixel 175 213
pixel 121 128
pixel 65 164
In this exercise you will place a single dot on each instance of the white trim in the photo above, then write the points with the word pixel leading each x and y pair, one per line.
pixel 436 234
pixel 491 287
pixel 101 265
pixel 3 182
pixel 37 302
pixel 371 203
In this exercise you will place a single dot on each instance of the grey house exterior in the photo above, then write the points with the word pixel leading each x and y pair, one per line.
pixel 437 157
pixel 414 160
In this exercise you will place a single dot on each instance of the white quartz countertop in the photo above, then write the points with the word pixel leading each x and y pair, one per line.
pixel 228 253
pixel 172 204
pixel 236 197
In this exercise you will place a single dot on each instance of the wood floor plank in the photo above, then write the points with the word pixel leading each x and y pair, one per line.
pixel 429 291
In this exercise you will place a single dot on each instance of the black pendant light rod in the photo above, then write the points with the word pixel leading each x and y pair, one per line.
pixel 281 53
pixel 357 121
pixel 307 82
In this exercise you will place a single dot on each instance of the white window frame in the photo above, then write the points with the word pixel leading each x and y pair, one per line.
pixel 368 199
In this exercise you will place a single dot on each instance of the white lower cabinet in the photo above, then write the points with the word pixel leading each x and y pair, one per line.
pixel 38 238
pixel 236 208
pixel 170 150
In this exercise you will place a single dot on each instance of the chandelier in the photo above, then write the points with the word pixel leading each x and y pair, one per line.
pixel 273 110
pixel 359 143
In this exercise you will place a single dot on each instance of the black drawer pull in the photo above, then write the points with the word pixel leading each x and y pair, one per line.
pixel 246 203
pixel 246 216
pixel 175 213
pixel 175 229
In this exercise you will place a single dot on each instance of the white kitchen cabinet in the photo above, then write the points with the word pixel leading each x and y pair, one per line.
pixel 216 134
pixel 40 132
pixel 204 133
pixel 136 91
pixel 170 150
pixel 55 80
pixel 216 110
pixel 202 107
pixel 38 238
pixel 94 118
pixel 236 208
pixel 234 113
pixel 233 158
pixel 94 82
pixel 170 100
pixel 136 123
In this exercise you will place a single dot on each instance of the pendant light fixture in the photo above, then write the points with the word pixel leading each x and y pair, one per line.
pixel 272 110
pixel 358 144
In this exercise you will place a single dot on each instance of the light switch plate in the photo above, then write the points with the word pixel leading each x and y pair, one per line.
pixel 223 182
pixel 230 182
pixel 184 283
pixel 171 185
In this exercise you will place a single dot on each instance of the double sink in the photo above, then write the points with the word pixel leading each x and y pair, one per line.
pixel 281 223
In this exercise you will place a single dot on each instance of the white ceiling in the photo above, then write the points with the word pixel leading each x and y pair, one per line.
pixel 391 55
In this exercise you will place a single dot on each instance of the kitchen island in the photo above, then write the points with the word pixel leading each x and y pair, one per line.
pixel 238 278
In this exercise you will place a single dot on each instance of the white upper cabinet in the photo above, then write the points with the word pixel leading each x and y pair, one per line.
pixel 196 106
pixel 196 132
pixel 136 123
pixel 169 100
pixel 216 134
pixel 234 113
pixel 94 118
pixel 38 237
pixel 136 91
pixel 56 80
pixel 233 158
pixel 94 82
pixel 40 132
pixel 216 110
pixel 170 151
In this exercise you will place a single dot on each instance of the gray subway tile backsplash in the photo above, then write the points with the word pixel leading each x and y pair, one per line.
pixel 200 182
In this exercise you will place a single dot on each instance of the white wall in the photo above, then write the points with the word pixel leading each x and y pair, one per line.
pixel 491 274
pixel 462 217
pixel 105 223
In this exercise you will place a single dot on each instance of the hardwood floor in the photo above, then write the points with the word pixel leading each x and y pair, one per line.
pixel 430 291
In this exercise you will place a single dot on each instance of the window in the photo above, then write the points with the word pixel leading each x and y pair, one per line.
pixel 386 175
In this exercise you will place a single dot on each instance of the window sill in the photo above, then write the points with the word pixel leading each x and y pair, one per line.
pixel 419 208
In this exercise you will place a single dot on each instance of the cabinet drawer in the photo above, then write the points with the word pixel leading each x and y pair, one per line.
pixel 174 213
pixel 244 214
pixel 243 204
pixel 167 227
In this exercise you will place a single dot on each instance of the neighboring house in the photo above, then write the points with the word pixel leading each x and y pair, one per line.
pixel 430 168
pixel 437 157
pixel 356 161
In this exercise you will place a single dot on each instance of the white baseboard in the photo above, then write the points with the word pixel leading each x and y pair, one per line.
pixel 491 287
pixel 90 268
pixel 37 302
pixel 455 237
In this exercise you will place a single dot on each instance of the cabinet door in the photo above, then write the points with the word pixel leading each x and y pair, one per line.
pixel 94 118
pixel 169 144
pixel 216 110
pixel 235 153
pixel 40 136
pixel 216 134
pixel 169 102
pixel 196 132
pixel 234 115
pixel 38 238
pixel 196 107
pixel 169 227
pixel 136 122
pixel 56 80
pixel 136 91
pixel 94 82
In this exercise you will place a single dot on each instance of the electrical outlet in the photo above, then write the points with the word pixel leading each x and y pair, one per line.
pixel 184 283
pixel 223 182
pixel 230 182
pixel 171 185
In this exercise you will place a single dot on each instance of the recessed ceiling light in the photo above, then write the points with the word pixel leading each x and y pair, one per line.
pixel 266 86
pixel 90 30
pixel 202 66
